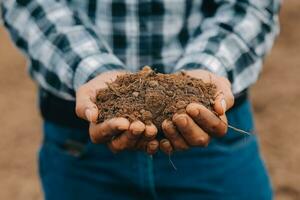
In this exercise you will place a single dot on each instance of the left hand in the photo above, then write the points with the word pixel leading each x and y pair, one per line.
pixel 198 124
pixel 118 133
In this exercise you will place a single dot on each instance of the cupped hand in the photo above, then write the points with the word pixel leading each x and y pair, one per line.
pixel 118 133
pixel 121 135
pixel 199 124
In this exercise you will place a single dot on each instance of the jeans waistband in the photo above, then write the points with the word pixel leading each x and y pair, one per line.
pixel 62 112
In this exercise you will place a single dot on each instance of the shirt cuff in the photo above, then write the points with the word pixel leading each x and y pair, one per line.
pixel 94 65
pixel 201 61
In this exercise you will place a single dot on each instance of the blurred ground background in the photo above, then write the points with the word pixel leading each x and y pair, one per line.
pixel 275 99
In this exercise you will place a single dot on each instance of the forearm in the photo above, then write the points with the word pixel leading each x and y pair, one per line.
pixel 233 42
pixel 63 49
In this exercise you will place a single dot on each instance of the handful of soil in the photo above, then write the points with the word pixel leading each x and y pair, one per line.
pixel 152 97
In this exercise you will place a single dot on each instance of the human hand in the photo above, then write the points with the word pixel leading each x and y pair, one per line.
pixel 121 135
pixel 198 124
pixel 118 133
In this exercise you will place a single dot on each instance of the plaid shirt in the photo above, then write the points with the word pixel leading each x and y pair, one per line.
pixel 68 42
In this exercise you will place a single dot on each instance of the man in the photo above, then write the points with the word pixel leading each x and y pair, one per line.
pixel 74 47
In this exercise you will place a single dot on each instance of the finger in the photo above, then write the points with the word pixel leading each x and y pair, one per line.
pixel 85 106
pixel 128 139
pixel 152 147
pixel 207 120
pixel 149 134
pixel 137 127
pixel 225 98
pixel 224 121
pixel 165 146
pixel 142 144
pixel 105 131
pixel 173 136
pixel 125 140
pixel 220 104
pixel 191 132
pixel 119 143
pixel 150 131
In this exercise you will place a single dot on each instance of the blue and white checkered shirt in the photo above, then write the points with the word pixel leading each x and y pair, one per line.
pixel 68 42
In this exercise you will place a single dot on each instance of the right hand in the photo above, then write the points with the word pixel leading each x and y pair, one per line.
pixel 118 133
pixel 199 124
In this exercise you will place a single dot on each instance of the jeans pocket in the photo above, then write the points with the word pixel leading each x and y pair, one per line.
pixel 69 148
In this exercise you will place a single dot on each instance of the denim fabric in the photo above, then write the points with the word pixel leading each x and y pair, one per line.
pixel 230 168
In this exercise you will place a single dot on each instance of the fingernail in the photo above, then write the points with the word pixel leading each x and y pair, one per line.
pixel 88 114
pixel 166 143
pixel 153 146
pixel 170 124
pixel 163 141
pixel 194 112
pixel 223 104
pixel 149 134
pixel 182 120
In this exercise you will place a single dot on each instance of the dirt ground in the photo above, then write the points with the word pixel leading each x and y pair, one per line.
pixel 276 106
pixel 275 99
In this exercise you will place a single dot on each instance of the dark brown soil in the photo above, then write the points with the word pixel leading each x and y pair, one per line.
pixel 152 97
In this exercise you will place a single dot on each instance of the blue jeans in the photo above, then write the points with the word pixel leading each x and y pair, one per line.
pixel 230 168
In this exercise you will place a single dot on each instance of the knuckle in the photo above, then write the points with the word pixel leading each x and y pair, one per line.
pixel 201 141
pixel 78 110
pixel 117 146
pixel 215 126
pixel 92 133
pixel 180 145
pixel 94 138
pixel 221 130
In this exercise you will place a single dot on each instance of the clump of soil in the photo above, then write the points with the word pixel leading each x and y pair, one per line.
pixel 152 97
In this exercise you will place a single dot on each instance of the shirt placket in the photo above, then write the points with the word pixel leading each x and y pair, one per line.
pixel 145 42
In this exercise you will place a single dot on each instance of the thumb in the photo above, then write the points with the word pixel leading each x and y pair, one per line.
pixel 85 106
pixel 91 113
pixel 220 105
pixel 224 99
pixel 223 102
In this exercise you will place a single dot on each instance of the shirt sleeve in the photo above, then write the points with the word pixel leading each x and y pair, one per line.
pixel 233 40
pixel 63 49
